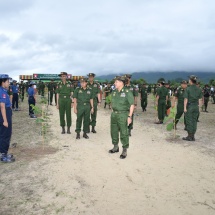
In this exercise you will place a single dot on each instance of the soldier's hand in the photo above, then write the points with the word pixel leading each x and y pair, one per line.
pixel 99 104
pixel 92 111
pixel 185 110
pixel 57 106
pixel 71 105
pixel 75 111
pixel 129 121
pixel 5 124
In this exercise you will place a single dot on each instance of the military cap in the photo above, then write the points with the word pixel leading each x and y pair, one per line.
pixel 91 74
pixel 128 75
pixel 62 73
pixel 4 76
pixel 183 82
pixel 14 81
pixel 121 78
pixel 192 77
pixel 83 80
pixel 162 82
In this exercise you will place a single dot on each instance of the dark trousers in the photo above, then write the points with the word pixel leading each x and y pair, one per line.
pixel 206 100
pixel 31 101
pixel 161 109
pixel 15 100
pixel 5 133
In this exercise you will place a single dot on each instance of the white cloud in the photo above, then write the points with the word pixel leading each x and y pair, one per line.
pixel 106 36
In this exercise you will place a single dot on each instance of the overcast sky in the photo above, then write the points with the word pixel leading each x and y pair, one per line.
pixel 112 36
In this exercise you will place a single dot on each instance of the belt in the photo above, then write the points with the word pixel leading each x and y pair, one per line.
pixel 126 111
pixel 192 103
pixel 8 108
pixel 86 103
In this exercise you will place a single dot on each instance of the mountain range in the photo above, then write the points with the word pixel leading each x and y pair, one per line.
pixel 152 77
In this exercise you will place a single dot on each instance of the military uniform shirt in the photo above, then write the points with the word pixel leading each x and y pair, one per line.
pixel 162 92
pixel 121 101
pixel 51 86
pixel 143 93
pixel 95 89
pixel 193 94
pixel 64 89
pixel 133 89
pixel 4 97
pixel 179 93
pixel 83 96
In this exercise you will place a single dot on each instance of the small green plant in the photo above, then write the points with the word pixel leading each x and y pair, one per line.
pixel 43 120
pixel 171 125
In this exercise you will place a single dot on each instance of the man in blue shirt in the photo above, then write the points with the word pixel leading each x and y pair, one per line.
pixel 15 90
pixel 5 120
pixel 31 99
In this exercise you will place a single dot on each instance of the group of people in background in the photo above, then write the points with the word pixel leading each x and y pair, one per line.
pixel 85 95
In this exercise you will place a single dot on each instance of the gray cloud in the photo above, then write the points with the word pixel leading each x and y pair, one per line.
pixel 106 36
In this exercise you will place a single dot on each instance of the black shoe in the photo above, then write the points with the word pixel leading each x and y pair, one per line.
pixel 63 130
pixel 124 154
pixel 115 149
pixel 68 130
pixel 189 138
pixel 145 109
pixel 93 129
pixel 85 136
pixel 78 136
pixel 159 122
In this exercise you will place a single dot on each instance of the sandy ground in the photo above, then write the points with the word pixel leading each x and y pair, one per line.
pixel 160 176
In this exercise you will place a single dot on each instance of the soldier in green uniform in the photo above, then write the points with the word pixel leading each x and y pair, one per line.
pixel 149 89
pixel 64 102
pixel 121 117
pixel 134 91
pixel 22 90
pixel 83 106
pixel 42 88
pixel 96 99
pixel 206 94
pixel 168 105
pixel 179 97
pixel 39 88
pixel 192 104
pixel 51 89
pixel 107 91
pixel 143 97
pixel 161 102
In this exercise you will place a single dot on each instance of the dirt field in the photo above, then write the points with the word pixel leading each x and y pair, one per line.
pixel 160 176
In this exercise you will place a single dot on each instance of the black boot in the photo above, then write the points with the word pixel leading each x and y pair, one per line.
pixel 114 149
pixel 85 136
pixel 63 130
pixel 188 138
pixel 105 105
pixel 68 130
pixel 78 136
pixel 124 153
pixel 93 129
